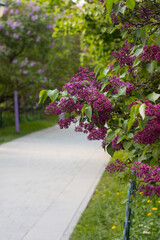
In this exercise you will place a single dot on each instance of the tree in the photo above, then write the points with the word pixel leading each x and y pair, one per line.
pixel 29 56
pixel 96 35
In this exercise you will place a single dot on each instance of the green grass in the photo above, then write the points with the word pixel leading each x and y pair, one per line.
pixel 107 209
pixel 9 133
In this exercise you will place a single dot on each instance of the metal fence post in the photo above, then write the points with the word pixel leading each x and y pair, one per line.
pixel 127 222
pixel 16 110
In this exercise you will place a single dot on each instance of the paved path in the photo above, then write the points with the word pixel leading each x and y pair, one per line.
pixel 46 181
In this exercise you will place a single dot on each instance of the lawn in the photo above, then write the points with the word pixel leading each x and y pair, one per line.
pixel 8 133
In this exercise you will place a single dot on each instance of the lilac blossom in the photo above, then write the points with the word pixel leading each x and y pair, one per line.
pixel 15 61
pixel 16 36
pixel 150 176
pixel 49 27
pixel 1 47
pixel 32 64
pixel 25 72
pixel 150 53
pixel 1 26
pixel 124 57
pixel 41 71
pixel 118 166
pixel 34 17
pixel 28 32
pixel 38 39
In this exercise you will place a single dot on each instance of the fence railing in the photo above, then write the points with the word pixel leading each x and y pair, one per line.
pixel 128 218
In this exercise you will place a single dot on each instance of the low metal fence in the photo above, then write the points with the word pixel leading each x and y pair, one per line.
pixel 128 218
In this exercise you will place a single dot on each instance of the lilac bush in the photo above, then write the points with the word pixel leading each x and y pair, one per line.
pixel 119 104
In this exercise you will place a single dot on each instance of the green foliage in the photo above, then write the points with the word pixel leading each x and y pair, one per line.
pixel 95 36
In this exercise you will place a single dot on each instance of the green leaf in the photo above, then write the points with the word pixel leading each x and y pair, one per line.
pixel 122 137
pixel 64 93
pixel 130 135
pixel 122 9
pixel 133 114
pixel 122 91
pixel 144 121
pixel 88 111
pixel 110 137
pixel 83 109
pixel 53 94
pixel 116 66
pixel 138 52
pixel 153 97
pixel 131 153
pixel 42 96
pixel 159 87
pixel 97 69
pixel 150 67
pixel 142 110
pixel 109 4
pixel 123 75
pixel 143 34
pixel 124 34
pixel 156 152
pixel 127 145
pixel 101 76
pixel 130 4
pixel 116 8
pixel 110 149
pixel 105 71
pixel 158 39
pixel 124 126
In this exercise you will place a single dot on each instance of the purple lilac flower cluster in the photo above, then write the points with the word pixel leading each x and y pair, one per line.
pixel 149 175
pixel 97 134
pixel 84 87
pixel 126 25
pixel 93 132
pixel 115 84
pixel 113 17
pixel 124 57
pixel 146 13
pixel 53 108
pixel 151 131
pixel 150 53
pixel 66 122
pixel 118 166
pixel 115 145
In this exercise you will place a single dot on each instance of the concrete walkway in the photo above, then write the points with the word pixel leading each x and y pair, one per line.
pixel 46 181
